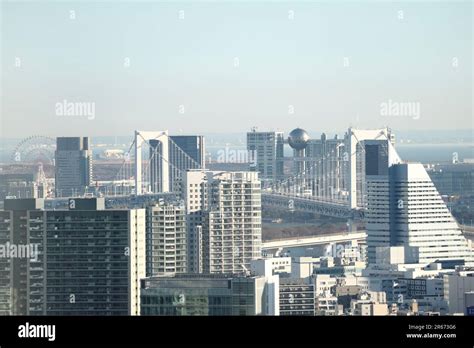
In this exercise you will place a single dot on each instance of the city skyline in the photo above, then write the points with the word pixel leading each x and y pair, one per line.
pixel 241 160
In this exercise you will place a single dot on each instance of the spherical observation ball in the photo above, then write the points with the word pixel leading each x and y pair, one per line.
pixel 298 138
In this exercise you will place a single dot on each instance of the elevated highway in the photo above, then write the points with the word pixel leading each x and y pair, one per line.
pixel 311 205
pixel 316 240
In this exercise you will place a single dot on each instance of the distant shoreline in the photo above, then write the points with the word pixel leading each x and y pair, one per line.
pixel 434 144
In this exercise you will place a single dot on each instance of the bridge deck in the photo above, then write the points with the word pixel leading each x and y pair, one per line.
pixel 331 208
pixel 303 241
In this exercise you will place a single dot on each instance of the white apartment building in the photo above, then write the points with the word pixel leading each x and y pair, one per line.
pixel 166 239
pixel 224 220
pixel 194 194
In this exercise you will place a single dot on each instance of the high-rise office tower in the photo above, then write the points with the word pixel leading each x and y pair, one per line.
pixel 266 154
pixel 192 145
pixel 166 239
pixel 73 161
pixel 375 163
pixel 192 156
pixel 224 220
pixel 405 209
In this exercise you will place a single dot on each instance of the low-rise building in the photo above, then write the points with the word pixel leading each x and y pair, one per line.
pixel 272 265
pixel 324 283
pixel 209 295
pixel 455 287
pixel 327 305
pixel 368 304
pixel 296 297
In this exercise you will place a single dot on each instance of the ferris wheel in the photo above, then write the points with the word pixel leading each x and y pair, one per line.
pixel 35 149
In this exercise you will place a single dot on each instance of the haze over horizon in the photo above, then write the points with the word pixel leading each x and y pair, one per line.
pixel 194 67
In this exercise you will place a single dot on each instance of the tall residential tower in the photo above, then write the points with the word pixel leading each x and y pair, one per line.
pixel 223 219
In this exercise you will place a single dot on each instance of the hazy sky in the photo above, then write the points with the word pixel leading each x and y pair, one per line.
pixel 198 66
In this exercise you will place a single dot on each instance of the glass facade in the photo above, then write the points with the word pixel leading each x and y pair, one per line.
pixel 199 295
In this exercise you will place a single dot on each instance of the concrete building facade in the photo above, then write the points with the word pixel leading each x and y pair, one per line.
pixel 223 219
pixel 266 154
pixel 166 239
pixel 405 209
pixel 88 260
pixel 209 294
